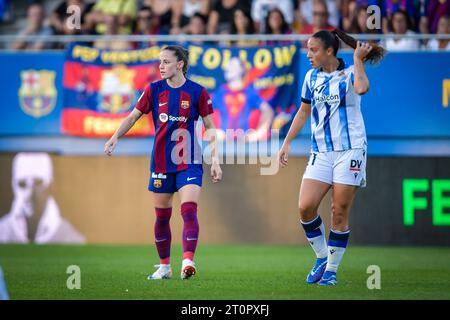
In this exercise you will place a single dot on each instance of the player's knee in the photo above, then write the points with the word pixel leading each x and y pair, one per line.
pixel 307 212
pixel 339 216
pixel 188 208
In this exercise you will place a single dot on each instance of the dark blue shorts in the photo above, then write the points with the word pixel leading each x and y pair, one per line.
pixel 174 181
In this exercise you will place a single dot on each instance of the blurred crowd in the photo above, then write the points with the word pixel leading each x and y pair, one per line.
pixel 163 17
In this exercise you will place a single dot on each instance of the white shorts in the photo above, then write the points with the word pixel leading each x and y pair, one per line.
pixel 344 167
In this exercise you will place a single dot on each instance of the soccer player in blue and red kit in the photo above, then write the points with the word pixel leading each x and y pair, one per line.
pixel 175 103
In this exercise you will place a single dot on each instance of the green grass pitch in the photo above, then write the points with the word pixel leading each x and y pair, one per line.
pixel 224 272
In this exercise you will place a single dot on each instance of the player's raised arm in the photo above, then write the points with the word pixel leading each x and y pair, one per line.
pixel 216 171
pixel 124 127
pixel 297 124
pixel 361 83
pixel 364 52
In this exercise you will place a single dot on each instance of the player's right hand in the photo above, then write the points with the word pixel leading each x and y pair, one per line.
pixel 283 155
pixel 110 145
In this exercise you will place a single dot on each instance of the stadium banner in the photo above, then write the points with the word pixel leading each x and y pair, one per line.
pixel 405 104
pixel 251 87
pixel 31 93
pixel 101 87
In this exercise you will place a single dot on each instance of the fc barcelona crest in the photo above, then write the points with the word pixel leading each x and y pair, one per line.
pixel 157 183
pixel 185 104
pixel 37 93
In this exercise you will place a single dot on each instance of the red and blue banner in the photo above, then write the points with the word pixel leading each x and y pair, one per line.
pixel 252 87
pixel 101 88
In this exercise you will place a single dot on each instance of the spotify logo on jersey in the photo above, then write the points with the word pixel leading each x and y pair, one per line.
pixel 163 117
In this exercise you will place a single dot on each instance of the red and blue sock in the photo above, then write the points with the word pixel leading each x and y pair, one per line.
pixel 163 236
pixel 190 229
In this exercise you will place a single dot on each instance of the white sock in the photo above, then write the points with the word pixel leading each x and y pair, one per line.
pixel 336 248
pixel 315 233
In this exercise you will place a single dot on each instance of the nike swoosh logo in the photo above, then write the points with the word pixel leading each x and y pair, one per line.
pixel 189 179
pixel 191 239
pixel 162 104
pixel 160 240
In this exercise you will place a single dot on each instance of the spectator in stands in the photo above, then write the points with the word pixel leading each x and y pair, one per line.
pixel 145 24
pixel 197 25
pixel 112 28
pixel 276 24
pixel 305 10
pixel 221 16
pixel 260 9
pixel 400 27
pixel 320 19
pixel 185 10
pixel 59 18
pixel 124 10
pixel 359 23
pixel 443 28
pixel 434 10
pixel 168 17
pixel 35 27
pixel 242 24
pixel 390 7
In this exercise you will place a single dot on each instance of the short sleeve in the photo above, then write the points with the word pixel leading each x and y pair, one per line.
pixel 351 74
pixel 144 103
pixel 306 90
pixel 205 104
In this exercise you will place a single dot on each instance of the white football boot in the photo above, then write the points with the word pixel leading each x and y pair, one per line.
pixel 164 271
pixel 188 269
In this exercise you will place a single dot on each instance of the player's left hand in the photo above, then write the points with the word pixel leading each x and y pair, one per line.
pixel 216 172
pixel 362 50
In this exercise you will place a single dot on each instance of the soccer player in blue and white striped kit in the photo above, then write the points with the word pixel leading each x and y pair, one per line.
pixel 331 93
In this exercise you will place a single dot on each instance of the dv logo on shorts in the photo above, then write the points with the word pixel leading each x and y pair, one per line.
pixel 355 165
pixel 157 183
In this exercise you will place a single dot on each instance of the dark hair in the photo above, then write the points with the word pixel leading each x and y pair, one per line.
pixel 250 26
pixel 405 15
pixel 284 25
pixel 201 17
pixel 181 54
pixel 331 39
pixel 146 8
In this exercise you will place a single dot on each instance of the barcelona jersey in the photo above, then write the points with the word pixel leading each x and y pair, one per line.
pixel 175 112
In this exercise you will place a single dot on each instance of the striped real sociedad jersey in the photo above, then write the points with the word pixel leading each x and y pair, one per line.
pixel 175 112
pixel 336 119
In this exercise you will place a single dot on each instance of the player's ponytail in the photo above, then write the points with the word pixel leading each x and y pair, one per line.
pixel 181 54
pixel 331 39
pixel 375 55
